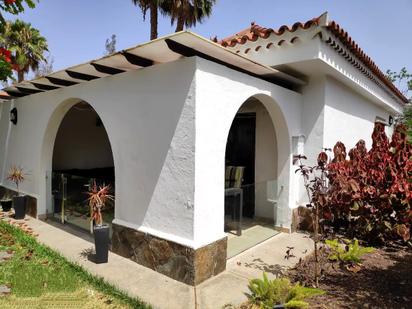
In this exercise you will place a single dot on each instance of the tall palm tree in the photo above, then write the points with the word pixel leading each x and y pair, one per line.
pixel 187 12
pixel 26 44
pixel 152 6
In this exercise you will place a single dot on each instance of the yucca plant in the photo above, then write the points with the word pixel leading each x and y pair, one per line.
pixel 98 197
pixel 17 176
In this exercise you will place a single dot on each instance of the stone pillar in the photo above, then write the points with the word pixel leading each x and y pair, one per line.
pixel 184 264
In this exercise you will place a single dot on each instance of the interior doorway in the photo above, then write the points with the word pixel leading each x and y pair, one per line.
pixel 250 178
pixel 240 151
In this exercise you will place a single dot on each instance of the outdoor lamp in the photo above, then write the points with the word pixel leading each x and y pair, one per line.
pixel 13 116
pixel 390 121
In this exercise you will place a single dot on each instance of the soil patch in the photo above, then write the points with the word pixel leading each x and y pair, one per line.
pixel 384 281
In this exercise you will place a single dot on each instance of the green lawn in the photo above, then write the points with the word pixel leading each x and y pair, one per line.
pixel 41 278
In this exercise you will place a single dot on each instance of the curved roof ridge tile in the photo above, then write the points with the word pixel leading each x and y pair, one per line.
pixel 256 31
pixel 349 43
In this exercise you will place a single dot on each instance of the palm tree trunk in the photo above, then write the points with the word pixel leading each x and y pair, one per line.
pixel 153 20
pixel 20 76
pixel 180 22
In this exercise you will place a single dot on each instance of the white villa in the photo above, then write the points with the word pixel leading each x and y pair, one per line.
pixel 196 136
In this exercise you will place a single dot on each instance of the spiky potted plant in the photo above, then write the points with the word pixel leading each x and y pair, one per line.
pixel 17 176
pixel 6 202
pixel 98 197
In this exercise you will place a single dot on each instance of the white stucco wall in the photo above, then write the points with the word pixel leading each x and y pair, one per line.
pixel 148 115
pixel 313 115
pixel 168 126
pixel 219 95
pixel 349 116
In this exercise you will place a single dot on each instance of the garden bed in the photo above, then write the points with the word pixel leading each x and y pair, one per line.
pixel 384 280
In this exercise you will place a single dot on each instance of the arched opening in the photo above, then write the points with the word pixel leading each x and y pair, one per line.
pixel 251 174
pixel 82 155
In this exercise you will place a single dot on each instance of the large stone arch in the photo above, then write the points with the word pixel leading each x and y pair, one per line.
pixel 48 142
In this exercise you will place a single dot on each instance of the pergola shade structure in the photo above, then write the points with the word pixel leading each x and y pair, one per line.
pixel 162 50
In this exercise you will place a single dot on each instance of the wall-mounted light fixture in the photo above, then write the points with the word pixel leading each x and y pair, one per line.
pixel 390 120
pixel 13 116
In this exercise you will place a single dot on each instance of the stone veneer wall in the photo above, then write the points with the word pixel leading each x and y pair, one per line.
pixel 174 260
pixel 31 202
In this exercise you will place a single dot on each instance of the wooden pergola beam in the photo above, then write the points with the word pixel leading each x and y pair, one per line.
pixel 82 76
pixel 137 60
pixel 105 69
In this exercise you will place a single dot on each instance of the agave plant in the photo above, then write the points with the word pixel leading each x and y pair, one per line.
pixel 98 197
pixel 17 176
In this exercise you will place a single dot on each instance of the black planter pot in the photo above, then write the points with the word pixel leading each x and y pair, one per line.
pixel 101 243
pixel 19 205
pixel 6 205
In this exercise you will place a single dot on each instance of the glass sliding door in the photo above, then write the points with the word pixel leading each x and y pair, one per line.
pixel 69 200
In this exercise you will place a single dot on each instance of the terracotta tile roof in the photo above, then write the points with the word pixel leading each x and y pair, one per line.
pixel 255 32
pixel 346 40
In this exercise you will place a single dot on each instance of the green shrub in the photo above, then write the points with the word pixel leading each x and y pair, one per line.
pixel 351 253
pixel 266 293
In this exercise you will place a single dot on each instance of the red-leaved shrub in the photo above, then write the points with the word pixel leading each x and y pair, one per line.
pixel 370 193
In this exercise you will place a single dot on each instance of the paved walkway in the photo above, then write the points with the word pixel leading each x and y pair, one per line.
pixel 162 292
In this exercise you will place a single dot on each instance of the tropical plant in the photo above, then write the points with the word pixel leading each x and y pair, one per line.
pixel 350 252
pixel 403 80
pixel 182 12
pixel 17 176
pixel 370 194
pixel 26 44
pixel 98 197
pixel 266 293
pixel 110 45
pixel 5 65
pixel 153 7
pixel 14 7
pixel 316 186
pixel 186 13
pixel 407 119
pixel 45 67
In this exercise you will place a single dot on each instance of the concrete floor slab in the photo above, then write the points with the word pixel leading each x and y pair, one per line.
pixel 269 256
pixel 225 288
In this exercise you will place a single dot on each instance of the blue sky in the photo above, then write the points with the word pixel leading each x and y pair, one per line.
pixel 77 29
